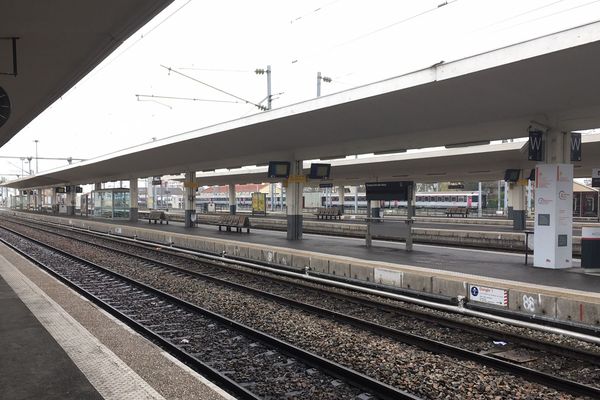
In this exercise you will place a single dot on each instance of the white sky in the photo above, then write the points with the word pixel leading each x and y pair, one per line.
pixel 222 43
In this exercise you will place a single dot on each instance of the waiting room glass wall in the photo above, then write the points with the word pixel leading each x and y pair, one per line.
pixel 111 203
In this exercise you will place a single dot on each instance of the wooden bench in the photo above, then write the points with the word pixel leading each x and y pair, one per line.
pixel 462 211
pixel 329 213
pixel 238 222
pixel 156 215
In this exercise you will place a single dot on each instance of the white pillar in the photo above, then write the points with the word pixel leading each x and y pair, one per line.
pixel 190 199
pixel 294 203
pixel 479 203
pixel 133 199
pixel 232 199
pixel 71 200
pixel 341 194
pixel 375 208
pixel 553 246
pixel 516 200
pixel 356 200
pixel 529 198
pixel 54 201
pixel 506 199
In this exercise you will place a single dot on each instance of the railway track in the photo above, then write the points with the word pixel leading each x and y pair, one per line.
pixel 247 362
pixel 389 322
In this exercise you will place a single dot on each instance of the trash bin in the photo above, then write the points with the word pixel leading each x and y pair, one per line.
pixel 590 247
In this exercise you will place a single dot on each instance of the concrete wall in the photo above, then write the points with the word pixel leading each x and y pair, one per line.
pixel 529 299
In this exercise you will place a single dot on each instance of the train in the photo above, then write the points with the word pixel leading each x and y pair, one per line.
pixel 431 200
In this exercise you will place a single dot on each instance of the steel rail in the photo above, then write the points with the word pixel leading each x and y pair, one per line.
pixel 456 309
pixel 522 340
pixel 352 377
pixel 543 378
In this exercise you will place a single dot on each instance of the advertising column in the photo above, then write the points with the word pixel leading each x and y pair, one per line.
pixel 553 246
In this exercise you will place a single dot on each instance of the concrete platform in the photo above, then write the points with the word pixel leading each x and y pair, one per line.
pixel 57 345
pixel 565 295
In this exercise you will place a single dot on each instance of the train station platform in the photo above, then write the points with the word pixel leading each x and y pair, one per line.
pixel 566 295
pixel 57 345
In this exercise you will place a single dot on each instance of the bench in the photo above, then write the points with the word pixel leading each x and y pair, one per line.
pixel 329 213
pixel 238 222
pixel 462 211
pixel 156 216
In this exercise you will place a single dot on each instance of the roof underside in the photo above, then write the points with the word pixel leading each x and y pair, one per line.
pixel 59 42
pixel 551 80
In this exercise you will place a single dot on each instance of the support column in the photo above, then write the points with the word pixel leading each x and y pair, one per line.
pixel 341 194
pixel 516 201
pixel 294 203
pixel 97 186
pixel 190 199
pixel 553 246
pixel 479 203
pixel 232 199
pixel 71 200
pixel 375 208
pixel 28 207
pixel 133 200
pixel 356 200
pixel 499 194
pixel 53 201
pixel 39 199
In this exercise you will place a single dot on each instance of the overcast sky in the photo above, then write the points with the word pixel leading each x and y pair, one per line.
pixel 222 42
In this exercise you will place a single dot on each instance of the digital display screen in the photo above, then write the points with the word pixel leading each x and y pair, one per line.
pixel 388 190
pixel 279 169
pixel 512 175
pixel 60 190
pixel 319 171
pixel 544 219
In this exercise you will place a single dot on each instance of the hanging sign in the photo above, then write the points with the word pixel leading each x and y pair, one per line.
pixel 535 145
pixel 575 146
pixel 596 177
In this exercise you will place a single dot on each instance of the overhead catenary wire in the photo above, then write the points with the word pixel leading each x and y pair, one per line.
pixel 549 15
pixel 518 15
pixel 153 96
pixel 367 34
pixel 316 10
pixel 214 87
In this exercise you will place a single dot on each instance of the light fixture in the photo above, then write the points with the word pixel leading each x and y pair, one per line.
pixel 377 153
pixel 467 144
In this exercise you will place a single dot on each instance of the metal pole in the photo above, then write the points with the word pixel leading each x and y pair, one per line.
pixel 499 195
pixel 36 156
pixel 479 212
pixel 269 87
pixel 318 84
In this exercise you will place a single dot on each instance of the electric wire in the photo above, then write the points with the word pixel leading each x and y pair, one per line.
pixel 367 34
pixel 316 10
pixel 184 98
pixel 548 15
pixel 214 87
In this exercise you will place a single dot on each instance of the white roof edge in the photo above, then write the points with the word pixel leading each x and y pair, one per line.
pixel 568 38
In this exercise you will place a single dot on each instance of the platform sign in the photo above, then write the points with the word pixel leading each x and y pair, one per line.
pixel 193 185
pixel 325 185
pixel 488 295
pixel 596 177
pixel 259 203
pixel 535 145
pixel 388 190
pixel 156 181
pixel 296 179
pixel 575 146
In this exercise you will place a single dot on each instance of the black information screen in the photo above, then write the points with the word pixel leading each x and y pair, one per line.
pixel 388 190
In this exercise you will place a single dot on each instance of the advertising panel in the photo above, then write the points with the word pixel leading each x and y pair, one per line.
pixel 259 203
